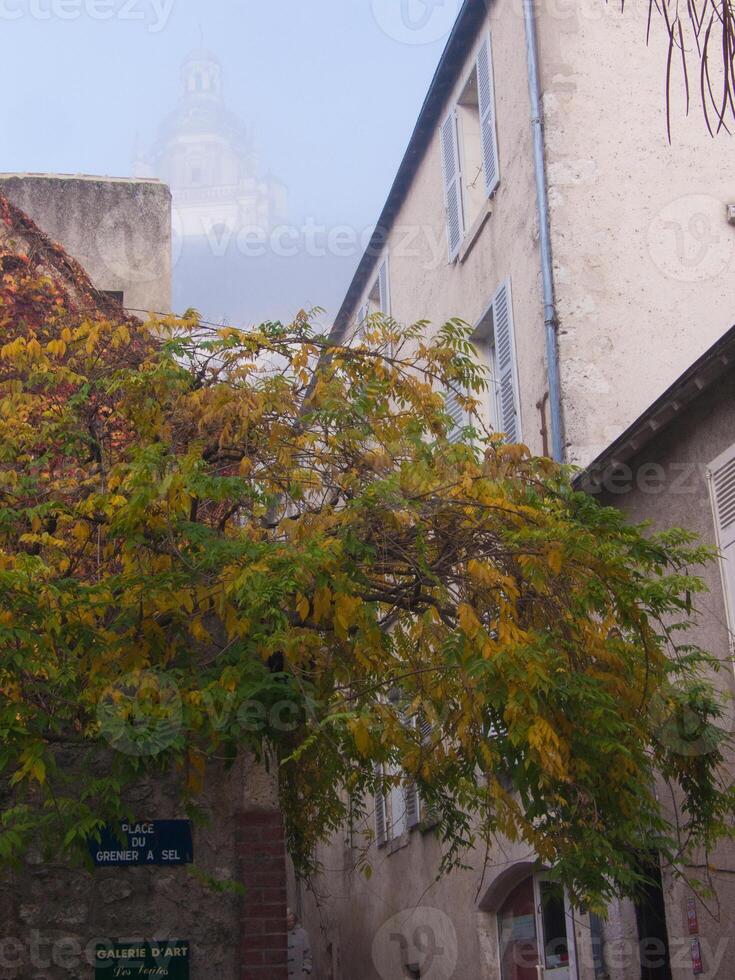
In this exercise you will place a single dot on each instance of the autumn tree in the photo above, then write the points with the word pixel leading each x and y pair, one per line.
pixel 218 541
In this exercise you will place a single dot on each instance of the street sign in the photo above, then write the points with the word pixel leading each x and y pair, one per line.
pixel 167 958
pixel 152 842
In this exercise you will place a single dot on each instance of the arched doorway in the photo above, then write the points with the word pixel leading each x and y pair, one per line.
pixel 535 932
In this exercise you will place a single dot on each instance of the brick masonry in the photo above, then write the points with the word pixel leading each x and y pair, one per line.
pixel 262 870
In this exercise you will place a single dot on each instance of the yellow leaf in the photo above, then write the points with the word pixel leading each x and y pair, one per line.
pixel 322 603
pixel 554 558
pixel 468 621
pixel 38 771
pixel 361 734
pixel 302 607
pixel 345 610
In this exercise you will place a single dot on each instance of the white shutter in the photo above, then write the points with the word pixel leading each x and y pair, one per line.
pixel 381 814
pixel 458 415
pixel 452 184
pixel 384 288
pixel 426 816
pixel 410 789
pixel 721 474
pixel 509 412
pixel 488 125
pixel 362 315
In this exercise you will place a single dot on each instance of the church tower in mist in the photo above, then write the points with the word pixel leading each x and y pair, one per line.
pixel 204 152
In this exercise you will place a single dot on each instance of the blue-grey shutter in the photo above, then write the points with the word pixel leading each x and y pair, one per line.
pixel 411 793
pixel 384 288
pixel 488 124
pixel 509 413
pixel 452 184
pixel 721 474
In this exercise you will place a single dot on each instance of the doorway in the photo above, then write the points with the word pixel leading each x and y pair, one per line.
pixel 535 931
pixel 653 937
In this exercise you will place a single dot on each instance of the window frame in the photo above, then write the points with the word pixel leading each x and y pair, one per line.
pixel 469 223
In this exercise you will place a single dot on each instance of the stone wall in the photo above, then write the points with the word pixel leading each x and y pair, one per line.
pixel 118 229
pixel 53 916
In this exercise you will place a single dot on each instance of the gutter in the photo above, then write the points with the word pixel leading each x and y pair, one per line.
pixel 542 200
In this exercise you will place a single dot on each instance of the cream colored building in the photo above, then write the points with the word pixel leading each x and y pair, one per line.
pixel 540 200
pixel 639 237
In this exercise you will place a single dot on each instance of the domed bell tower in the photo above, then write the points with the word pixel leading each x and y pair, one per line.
pixel 201 75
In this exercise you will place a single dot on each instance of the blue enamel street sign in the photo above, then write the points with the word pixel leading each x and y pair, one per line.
pixel 155 842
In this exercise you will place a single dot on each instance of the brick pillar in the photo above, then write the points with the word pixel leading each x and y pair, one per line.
pixel 262 860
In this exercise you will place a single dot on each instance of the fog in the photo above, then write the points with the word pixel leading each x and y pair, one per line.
pixel 279 126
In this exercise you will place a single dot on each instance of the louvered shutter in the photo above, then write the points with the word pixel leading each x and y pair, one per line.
pixel 362 315
pixel 488 126
pixel 722 484
pixel 384 288
pixel 452 184
pixel 410 789
pixel 458 415
pixel 381 814
pixel 411 793
pixel 509 413
pixel 427 816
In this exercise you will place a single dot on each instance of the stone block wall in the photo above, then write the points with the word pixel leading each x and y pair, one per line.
pixel 52 916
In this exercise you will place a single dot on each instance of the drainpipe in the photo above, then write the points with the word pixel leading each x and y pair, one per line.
pixel 542 199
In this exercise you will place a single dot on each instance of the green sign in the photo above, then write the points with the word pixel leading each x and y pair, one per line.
pixel 168 958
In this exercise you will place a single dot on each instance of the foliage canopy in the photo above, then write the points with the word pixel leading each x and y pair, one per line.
pixel 220 541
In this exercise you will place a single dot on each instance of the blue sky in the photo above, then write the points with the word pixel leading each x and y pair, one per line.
pixel 331 88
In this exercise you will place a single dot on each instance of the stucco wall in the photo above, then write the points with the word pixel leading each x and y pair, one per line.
pixel 449 927
pixel 644 262
pixel 424 285
pixel 644 257
pixel 665 483
pixel 118 229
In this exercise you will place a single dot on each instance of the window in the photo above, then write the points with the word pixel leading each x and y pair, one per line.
pixel 721 476
pixel 196 175
pixel 469 145
pixel 495 338
pixel 494 341
pixel 395 811
pixel 398 810
pixel 378 298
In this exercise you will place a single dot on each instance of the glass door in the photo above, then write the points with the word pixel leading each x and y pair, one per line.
pixel 554 927
pixel 519 959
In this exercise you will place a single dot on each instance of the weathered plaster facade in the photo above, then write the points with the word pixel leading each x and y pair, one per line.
pixel 119 229
pixel 665 483
pixel 643 261
pixel 644 258
pixel 641 244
